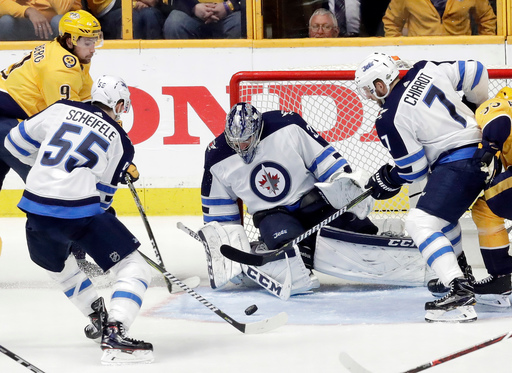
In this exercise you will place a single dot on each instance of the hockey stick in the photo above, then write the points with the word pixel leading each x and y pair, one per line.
pixel 355 367
pixel 261 259
pixel 261 326
pixel 192 281
pixel 20 360
pixel 282 291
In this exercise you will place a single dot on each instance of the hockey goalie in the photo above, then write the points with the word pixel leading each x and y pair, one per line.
pixel 290 178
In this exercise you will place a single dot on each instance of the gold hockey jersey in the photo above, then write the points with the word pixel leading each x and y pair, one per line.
pixel 48 74
pixel 485 115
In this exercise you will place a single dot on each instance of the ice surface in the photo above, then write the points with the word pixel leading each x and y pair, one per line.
pixel 381 327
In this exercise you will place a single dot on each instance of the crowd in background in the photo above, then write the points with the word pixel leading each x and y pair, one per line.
pixel 200 19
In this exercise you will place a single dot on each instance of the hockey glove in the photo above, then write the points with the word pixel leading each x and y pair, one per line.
pixel 383 187
pixel 132 172
pixel 489 161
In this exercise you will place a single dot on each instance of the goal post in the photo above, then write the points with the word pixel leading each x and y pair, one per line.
pixel 329 102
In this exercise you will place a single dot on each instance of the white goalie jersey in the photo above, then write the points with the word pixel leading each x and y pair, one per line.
pixel 78 155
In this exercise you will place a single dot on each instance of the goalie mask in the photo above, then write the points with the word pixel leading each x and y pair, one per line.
pixel 378 66
pixel 243 130
pixel 109 90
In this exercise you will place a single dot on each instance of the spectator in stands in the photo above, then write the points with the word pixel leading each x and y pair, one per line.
pixel 323 24
pixel 191 19
pixel 347 14
pixel 148 17
pixel 437 17
pixel 33 19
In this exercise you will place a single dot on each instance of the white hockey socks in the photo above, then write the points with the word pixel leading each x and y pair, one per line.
pixel 427 232
pixel 133 276
pixel 76 285
pixel 221 269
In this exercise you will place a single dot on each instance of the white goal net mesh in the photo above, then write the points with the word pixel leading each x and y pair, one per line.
pixel 328 101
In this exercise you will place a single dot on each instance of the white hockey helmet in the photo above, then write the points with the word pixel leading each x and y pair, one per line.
pixel 243 130
pixel 376 66
pixel 109 90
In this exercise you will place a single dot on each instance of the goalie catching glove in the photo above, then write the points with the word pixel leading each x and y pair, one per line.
pixel 382 183
pixel 342 187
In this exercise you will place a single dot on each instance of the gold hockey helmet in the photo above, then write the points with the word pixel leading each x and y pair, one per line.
pixel 505 93
pixel 79 23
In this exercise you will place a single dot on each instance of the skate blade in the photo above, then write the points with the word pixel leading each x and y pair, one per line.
pixel 495 300
pixel 119 357
pixel 459 314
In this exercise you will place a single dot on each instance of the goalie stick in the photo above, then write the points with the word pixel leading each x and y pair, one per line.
pixel 287 249
pixel 192 281
pixel 261 326
pixel 282 291
pixel 355 367
pixel 20 360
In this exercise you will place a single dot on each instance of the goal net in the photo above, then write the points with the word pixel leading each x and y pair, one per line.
pixel 328 101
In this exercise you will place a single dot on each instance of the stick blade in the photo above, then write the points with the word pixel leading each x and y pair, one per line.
pixel 351 365
pixel 266 325
pixel 241 256
pixel 192 282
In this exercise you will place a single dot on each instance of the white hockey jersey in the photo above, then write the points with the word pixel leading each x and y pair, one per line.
pixel 290 158
pixel 78 155
pixel 423 118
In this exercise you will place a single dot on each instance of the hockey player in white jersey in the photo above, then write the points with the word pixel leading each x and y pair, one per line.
pixel 78 154
pixel 283 171
pixel 431 133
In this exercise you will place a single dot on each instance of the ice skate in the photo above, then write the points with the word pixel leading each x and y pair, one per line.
pixel 438 289
pixel 494 290
pixel 456 306
pixel 98 319
pixel 119 349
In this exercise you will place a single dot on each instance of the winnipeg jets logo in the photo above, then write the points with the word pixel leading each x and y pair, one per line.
pixel 270 181
pixel 212 145
pixel 381 112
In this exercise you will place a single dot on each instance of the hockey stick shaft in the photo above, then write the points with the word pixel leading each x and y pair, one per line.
pixel 148 227
pixel 259 260
pixel 355 367
pixel 460 353
pixel 20 360
pixel 260 327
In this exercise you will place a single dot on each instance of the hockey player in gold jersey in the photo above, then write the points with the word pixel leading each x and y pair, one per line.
pixel 52 71
pixel 490 211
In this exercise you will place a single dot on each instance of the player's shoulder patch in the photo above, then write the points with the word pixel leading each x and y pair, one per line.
pixel 69 61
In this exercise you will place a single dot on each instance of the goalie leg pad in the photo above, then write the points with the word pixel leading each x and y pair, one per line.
pixel 220 269
pixel 370 259
pixel 345 187
pixel 302 280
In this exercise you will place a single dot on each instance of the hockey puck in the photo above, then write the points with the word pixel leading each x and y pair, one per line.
pixel 251 309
